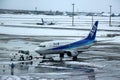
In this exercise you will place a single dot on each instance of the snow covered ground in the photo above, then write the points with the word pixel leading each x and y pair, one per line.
pixel 20 32
pixel 16 25
pixel 25 25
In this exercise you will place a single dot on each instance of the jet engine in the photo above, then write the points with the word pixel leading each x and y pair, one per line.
pixel 72 53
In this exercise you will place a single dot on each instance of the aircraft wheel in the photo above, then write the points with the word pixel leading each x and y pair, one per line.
pixel 22 58
pixel 61 56
pixel 30 57
pixel 44 57
pixel 74 58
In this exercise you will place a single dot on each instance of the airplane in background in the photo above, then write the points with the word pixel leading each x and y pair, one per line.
pixel 69 47
pixel 45 22
pixel 42 22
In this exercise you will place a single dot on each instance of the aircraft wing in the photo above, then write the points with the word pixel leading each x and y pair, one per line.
pixel 102 41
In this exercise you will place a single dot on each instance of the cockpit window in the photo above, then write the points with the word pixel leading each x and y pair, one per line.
pixel 41 45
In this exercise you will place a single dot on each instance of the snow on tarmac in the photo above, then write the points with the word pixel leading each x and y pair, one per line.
pixel 102 59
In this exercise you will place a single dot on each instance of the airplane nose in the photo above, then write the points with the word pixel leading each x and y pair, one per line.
pixel 37 50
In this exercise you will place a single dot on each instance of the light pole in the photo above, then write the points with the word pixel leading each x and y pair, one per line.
pixel 92 20
pixel 110 15
pixel 35 10
pixel 73 15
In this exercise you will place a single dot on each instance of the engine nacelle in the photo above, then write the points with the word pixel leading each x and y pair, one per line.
pixel 72 53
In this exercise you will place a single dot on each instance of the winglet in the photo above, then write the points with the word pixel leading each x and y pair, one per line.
pixel 93 31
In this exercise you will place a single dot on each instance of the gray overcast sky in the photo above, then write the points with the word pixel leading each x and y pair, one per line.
pixel 62 5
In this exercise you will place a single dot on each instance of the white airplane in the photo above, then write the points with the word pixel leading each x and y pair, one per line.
pixel 69 47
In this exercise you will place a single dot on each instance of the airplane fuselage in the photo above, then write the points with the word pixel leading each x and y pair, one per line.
pixel 60 46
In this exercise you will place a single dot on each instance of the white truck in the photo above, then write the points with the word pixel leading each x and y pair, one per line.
pixel 21 55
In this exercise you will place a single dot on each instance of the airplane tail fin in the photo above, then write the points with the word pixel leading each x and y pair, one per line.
pixel 93 31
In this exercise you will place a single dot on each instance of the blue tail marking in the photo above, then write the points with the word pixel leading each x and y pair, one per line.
pixel 93 31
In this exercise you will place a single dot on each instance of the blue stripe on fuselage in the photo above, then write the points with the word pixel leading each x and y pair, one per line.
pixel 74 45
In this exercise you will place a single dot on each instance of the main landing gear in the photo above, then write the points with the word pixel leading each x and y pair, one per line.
pixel 75 58
pixel 61 56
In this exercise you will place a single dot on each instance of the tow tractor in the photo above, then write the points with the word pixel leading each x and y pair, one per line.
pixel 21 55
